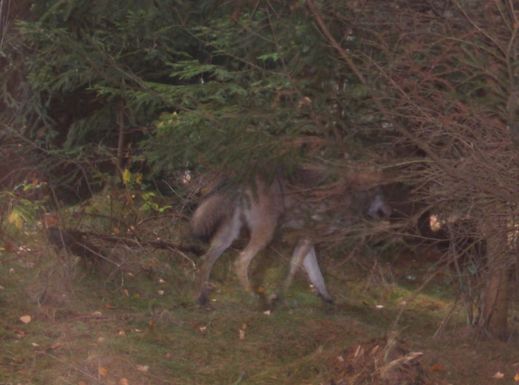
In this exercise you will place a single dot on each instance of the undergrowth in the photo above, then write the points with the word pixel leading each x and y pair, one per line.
pixel 142 326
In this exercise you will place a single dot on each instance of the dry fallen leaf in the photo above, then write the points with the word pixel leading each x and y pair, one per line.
pixel 143 368
pixel 102 371
pixel 123 381
pixel 9 246
pixel 26 319
pixel 260 290
pixel 437 368
pixel 55 346
pixel 242 331
pixel 498 375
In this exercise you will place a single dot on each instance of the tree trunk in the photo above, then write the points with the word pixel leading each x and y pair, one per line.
pixel 494 313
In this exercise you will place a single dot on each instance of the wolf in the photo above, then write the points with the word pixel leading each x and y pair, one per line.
pixel 261 209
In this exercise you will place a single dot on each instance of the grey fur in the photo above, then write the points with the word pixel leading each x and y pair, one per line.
pixel 222 215
pixel 210 214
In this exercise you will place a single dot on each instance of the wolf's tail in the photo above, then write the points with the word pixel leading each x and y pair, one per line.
pixel 210 214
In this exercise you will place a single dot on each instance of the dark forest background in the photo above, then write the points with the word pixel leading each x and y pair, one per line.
pixel 131 99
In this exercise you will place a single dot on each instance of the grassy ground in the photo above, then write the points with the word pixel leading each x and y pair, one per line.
pixel 142 327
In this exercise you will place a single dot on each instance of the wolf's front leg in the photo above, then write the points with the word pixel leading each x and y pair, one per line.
pixel 227 232
pixel 259 239
pixel 315 276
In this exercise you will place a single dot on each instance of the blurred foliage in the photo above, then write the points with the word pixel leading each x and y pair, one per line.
pixel 93 89
pixel 228 85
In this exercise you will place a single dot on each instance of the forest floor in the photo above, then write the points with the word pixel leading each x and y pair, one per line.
pixel 64 324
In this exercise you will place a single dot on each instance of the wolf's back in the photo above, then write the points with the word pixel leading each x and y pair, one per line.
pixel 211 213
